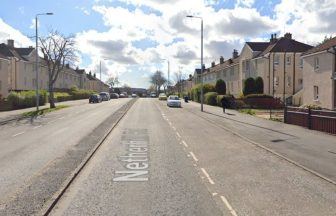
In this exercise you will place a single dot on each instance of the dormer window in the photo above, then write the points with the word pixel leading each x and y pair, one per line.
pixel 288 60
pixel 276 59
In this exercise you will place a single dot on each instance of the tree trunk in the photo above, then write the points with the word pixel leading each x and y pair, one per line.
pixel 51 97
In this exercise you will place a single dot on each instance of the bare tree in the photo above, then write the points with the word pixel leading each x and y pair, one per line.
pixel 58 51
pixel 113 81
pixel 158 80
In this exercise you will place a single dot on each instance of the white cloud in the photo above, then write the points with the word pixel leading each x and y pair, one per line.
pixel 8 32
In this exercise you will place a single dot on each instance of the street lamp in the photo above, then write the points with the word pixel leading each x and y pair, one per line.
pixel 168 73
pixel 198 17
pixel 37 58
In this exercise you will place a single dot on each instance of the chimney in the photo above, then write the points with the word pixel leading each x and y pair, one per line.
pixel 235 54
pixel 213 64
pixel 288 35
pixel 10 43
pixel 273 38
pixel 221 60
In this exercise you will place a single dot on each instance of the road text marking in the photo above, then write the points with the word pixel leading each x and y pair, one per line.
pixel 207 175
pixel 233 212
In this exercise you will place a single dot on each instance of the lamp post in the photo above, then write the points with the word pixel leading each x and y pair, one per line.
pixel 37 58
pixel 198 17
pixel 168 82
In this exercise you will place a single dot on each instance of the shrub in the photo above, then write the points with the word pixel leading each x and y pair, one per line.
pixel 230 99
pixel 249 86
pixel 211 98
pixel 196 91
pixel 258 96
pixel 220 87
pixel 259 85
pixel 311 106
pixel 62 96
pixel 25 99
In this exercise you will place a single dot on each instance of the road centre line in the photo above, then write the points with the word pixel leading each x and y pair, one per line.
pixel 177 133
pixel 208 176
pixel 226 202
pixel 193 156
pixel 18 134
pixel 185 144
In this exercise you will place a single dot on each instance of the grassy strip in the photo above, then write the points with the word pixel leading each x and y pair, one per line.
pixel 43 111
pixel 247 111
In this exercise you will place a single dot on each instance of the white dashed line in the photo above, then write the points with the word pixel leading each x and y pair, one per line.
pixel 177 133
pixel 37 127
pixel 226 202
pixel 18 134
pixel 214 194
pixel 207 175
pixel 61 118
pixel 185 144
pixel 174 128
pixel 193 156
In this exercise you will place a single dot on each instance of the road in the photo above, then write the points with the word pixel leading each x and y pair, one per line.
pixel 167 161
pixel 32 153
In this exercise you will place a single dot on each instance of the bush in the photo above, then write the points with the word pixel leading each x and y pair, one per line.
pixel 259 85
pixel 211 98
pixel 249 86
pixel 311 106
pixel 62 96
pixel 220 87
pixel 196 91
pixel 25 99
pixel 230 99
pixel 258 96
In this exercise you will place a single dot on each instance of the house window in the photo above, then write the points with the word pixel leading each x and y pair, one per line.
pixel 231 72
pixel 247 66
pixel 276 59
pixel 289 81
pixel 301 63
pixel 316 63
pixel 316 93
pixel 276 81
pixel 300 82
pixel 25 81
pixel 288 60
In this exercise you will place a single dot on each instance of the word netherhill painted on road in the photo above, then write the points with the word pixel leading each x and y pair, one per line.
pixel 136 160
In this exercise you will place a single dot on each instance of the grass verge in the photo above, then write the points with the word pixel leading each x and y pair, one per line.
pixel 247 111
pixel 43 111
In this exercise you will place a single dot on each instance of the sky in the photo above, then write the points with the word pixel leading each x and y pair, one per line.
pixel 134 38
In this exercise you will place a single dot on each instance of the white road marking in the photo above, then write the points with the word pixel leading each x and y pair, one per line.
pixel 61 117
pixel 214 194
pixel 37 127
pixel 193 156
pixel 177 133
pixel 185 144
pixel 174 128
pixel 208 176
pixel 18 134
pixel 226 202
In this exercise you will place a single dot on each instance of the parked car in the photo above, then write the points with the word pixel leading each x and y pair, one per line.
pixel 162 96
pixel 95 98
pixel 122 95
pixel 152 95
pixel 114 96
pixel 105 96
pixel 173 101
pixel 134 95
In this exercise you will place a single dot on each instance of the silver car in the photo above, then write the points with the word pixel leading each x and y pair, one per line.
pixel 173 101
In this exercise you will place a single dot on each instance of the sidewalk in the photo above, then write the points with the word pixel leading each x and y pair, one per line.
pixel 7 116
pixel 312 149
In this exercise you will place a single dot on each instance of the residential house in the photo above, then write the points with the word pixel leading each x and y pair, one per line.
pixel 319 75
pixel 95 84
pixel 4 76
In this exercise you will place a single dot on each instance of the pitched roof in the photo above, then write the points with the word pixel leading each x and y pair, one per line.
pixel 7 51
pixel 24 51
pixel 285 44
pixel 325 46
pixel 258 46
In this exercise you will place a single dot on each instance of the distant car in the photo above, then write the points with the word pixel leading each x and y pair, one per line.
pixel 173 101
pixel 134 95
pixel 114 96
pixel 122 96
pixel 162 96
pixel 105 96
pixel 95 98
pixel 152 95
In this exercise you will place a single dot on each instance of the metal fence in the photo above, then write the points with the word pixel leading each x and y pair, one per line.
pixel 320 120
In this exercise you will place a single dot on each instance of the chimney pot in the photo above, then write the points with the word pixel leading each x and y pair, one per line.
pixel 221 59
pixel 213 64
pixel 235 54
pixel 10 43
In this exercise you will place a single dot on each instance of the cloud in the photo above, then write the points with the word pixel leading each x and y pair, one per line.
pixel 223 48
pixel 8 32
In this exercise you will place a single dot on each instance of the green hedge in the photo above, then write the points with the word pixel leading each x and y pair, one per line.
pixel 62 96
pixel 25 99
pixel 230 99
pixel 195 92
pixel 258 96
pixel 211 98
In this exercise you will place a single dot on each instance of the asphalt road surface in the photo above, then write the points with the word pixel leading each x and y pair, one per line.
pixel 30 149
pixel 170 161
